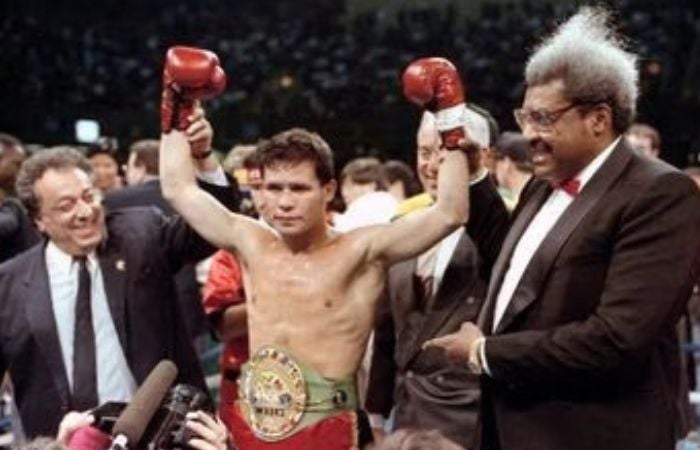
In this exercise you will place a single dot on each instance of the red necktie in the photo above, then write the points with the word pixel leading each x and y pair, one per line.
pixel 570 186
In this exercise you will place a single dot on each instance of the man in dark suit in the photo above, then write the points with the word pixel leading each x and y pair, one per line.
pixel 16 230
pixel 429 296
pixel 577 344
pixel 141 173
pixel 144 190
pixel 109 273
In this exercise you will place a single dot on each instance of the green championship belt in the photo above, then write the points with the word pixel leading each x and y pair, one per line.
pixel 280 397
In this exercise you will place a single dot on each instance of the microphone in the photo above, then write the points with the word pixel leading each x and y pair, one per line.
pixel 132 422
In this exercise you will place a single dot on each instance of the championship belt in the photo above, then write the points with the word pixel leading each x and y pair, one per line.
pixel 274 394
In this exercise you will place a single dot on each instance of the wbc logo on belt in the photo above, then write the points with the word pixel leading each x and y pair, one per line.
pixel 274 394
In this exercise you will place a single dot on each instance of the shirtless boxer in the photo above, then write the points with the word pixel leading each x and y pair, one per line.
pixel 311 291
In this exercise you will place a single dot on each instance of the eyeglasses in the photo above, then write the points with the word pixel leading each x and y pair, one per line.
pixel 541 119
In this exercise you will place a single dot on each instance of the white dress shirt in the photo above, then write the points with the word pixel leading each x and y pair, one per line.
pixel 373 208
pixel 537 231
pixel 114 379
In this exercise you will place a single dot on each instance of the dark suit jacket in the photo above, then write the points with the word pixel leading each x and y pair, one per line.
pixel 17 233
pixel 144 194
pixel 142 250
pixel 586 355
pixel 188 292
pixel 428 391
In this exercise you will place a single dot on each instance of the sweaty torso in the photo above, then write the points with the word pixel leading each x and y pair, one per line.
pixel 317 304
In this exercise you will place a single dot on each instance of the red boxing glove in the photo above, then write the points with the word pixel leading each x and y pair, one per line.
pixel 189 74
pixel 434 84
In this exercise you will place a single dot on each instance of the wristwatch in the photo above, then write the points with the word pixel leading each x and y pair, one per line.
pixel 204 155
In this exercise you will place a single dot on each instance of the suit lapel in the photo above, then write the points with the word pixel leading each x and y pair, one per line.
pixel 404 305
pixel 451 293
pixel 114 269
pixel 539 267
pixel 42 322
pixel 522 219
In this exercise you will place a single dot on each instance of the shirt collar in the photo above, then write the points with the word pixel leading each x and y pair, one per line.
pixel 60 261
pixel 587 173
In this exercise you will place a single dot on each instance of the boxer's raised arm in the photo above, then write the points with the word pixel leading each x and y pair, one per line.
pixel 433 84
pixel 189 75
pixel 414 233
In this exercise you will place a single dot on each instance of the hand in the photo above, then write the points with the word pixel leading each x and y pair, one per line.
pixel 457 345
pixel 378 434
pixel 199 133
pixel 70 423
pixel 473 152
pixel 210 432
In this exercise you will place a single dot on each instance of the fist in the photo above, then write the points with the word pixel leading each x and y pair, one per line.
pixel 458 344
pixel 190 74
pixel 434 84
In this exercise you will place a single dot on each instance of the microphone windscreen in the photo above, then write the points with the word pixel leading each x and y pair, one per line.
pixel 89 438
pixel 135 418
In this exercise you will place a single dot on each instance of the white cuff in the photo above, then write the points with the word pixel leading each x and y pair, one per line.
pixel 482 357
pixel 376 420
pixel 450 118
pixel 216 176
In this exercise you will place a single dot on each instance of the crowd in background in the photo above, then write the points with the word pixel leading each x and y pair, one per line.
pixel 327 71
pixel 315 66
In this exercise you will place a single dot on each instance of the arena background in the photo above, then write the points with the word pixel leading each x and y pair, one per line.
pixel 330 66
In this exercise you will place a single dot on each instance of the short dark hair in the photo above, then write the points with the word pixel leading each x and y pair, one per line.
pixel 400 171
pixel 647 131
pixel 8 141
pixel 515 147
pixel 295 146
pixel 34 167
pixel 365 171
pixel 146 151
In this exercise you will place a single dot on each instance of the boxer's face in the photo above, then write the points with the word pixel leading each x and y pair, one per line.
pixel 295 200
pixel 70 212
pixel 561 133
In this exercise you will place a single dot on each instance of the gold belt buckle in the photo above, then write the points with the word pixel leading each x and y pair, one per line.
pixel 274 394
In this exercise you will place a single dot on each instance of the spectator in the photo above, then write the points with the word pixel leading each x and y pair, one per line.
pixel 429 296
pixel 363 185
pixel 16 230
pixel 512 168
pixel 401 179
pixel 579 325
pixel 239 163
pixel 106 169
pixel 12 154
pixel 144 190
pixel 116 269
pixel 645 139
pixel 142 164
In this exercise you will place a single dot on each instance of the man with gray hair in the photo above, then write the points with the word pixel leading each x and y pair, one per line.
pixel 576 343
